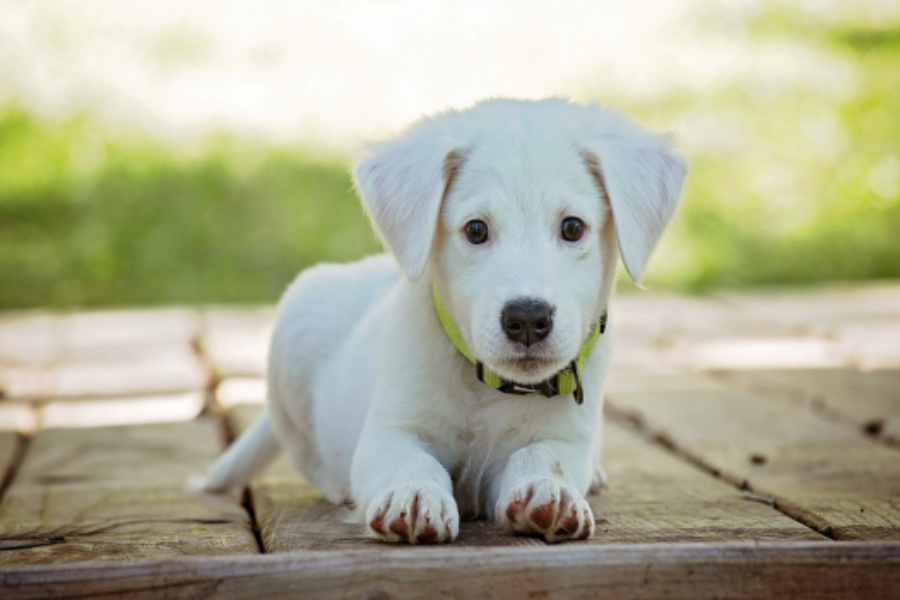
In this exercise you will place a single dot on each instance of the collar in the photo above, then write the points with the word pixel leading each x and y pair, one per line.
pixel 567 381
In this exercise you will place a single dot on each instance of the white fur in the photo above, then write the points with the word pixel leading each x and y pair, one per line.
pixel 368 395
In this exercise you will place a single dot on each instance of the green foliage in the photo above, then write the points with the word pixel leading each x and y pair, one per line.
pixel 791 181
pixel 800 181
pixel 84 221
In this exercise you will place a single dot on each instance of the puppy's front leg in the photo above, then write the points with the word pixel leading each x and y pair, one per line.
pixel 406 492
pixel 539 492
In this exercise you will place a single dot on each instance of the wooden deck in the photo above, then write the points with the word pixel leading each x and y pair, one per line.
pixel 753 450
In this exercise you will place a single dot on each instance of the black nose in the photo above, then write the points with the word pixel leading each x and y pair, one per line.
pixel 527 321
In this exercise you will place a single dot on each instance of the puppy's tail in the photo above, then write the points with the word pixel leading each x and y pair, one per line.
pixel 252 452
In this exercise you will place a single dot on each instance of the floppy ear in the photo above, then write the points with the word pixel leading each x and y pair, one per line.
pixel 641 177
pixel 402 183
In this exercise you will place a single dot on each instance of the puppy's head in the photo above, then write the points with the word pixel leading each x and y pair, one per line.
pixel 518 211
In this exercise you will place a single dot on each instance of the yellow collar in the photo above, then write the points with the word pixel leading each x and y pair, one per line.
pixel 567 381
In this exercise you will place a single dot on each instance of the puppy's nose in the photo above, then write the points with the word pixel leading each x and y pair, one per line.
pixel 527 320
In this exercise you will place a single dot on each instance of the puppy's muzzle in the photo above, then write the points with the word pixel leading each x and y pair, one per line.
pixel 527 320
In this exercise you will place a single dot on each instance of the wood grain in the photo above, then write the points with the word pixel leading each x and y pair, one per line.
pixel 656 496
pixel 826 475
pixel 728 571
pixel 119 493
pixel 653 496
pixel 868 401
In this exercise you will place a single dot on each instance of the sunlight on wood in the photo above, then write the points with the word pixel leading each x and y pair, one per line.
pixel 122 411
pixel 765 353
pixel 241 390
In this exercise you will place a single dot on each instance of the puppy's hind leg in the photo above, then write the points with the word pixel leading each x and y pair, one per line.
pixel 252 452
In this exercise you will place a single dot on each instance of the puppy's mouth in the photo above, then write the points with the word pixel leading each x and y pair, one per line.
pixel 530 367
pixel 529 364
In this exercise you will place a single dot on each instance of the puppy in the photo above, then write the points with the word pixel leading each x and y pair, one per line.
pixel 463 373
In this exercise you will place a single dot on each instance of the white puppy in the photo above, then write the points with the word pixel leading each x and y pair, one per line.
pixel 397 383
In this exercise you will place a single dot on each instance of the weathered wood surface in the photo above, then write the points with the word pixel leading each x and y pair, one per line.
pixel 121 410
pixel 729 571
pixel 826 327
pixel 653 497
pixel 119 493
pixel 236 342
pixel 769 391
pixel 9 443
pixel 826 475
pixel 868 401
pixel 103 353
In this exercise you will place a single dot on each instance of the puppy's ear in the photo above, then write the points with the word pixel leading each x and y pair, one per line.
pixel 641 177
pixel 402 183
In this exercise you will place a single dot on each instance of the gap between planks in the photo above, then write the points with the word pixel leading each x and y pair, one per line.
pixel 824 475
pixel 228 437
pixel 17 456
pixel 664 441
pixel 654 497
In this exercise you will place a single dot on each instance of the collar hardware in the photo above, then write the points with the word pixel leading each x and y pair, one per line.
pixel 567 381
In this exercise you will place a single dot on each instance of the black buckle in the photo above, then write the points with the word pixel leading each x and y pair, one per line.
pixel 579 389
pixel 547 388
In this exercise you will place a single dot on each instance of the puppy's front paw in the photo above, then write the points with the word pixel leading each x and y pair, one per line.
pixel 414 514
pixel 544 507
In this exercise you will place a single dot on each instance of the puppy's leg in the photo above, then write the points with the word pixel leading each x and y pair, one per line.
pixel 406 493
pixel 539 492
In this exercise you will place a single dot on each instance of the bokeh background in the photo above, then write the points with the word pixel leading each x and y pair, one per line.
pixel 193 152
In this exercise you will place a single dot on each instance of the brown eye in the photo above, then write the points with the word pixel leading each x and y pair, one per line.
pixel 571 229
pixel 477 232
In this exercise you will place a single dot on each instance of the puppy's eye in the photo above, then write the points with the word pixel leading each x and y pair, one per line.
pixel 477 232
pixel 571 229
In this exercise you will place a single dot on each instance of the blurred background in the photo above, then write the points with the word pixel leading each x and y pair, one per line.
pixel 195 152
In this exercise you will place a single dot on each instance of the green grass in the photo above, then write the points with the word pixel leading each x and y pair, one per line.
pixel 804 188
pixel 89 222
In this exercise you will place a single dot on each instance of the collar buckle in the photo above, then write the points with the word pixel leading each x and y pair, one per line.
pixel 579 389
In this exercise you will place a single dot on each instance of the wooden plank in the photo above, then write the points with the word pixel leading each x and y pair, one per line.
pixel 28 338
pixel 821 473
pixel 160 370
pixel 871 344
pixel 17 414
pixel 9 443
pixel 119 493
pixel 25 381
pixel 235 391
pixel 866 400
pixel 735 571
pixel 653 496
pixel 120 333
pixel 127 410
pixel 236 342
pixel 819 309
pixel 715 332
pixel 857 323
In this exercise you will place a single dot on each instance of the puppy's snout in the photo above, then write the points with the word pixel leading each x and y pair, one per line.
pixel 527 320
